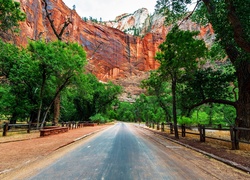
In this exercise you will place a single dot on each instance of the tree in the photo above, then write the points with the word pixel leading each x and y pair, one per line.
pixel 10 15
pixel 157 86
pixel 208 83
pixel 66 58
pixel 31 76
pixel 177 59
pixel 17 73
pixel 125 112
pixel 230 20
pixel 92 97
pixel 59 35
pixel 9 54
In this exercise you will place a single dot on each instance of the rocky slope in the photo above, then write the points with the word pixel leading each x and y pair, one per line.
pixel 112 53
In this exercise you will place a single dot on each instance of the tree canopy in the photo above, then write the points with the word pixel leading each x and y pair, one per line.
pixel 10 15
pixel 177 59
pixel 230 20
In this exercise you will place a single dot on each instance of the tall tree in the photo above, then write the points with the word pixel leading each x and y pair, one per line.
pixel 177 58
pixel 59 35
pixel 231 21
pixel 66 58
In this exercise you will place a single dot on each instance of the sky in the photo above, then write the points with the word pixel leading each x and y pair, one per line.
pixel 109 9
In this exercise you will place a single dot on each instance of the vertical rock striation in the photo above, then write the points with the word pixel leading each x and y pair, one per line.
pixel 112 53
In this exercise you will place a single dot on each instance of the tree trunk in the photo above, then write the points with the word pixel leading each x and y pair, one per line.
pixel 13 118
pixel 56 110
pixel 174 107
pixel 243 103
pixel 242 65
pixel 33 117
pixel 41 96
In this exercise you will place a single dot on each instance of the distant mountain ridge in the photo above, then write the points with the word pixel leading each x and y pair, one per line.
pixel 138 23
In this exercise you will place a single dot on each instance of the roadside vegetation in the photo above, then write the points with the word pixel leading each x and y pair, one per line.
pixel 189 91
pixel 32 77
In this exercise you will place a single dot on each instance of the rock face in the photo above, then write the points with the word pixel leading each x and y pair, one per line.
pixel 111 53
pixel 122 50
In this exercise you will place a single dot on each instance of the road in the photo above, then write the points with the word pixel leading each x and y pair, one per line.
pixel 125 151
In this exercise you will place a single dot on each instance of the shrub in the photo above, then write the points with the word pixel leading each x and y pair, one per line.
pixel 98 118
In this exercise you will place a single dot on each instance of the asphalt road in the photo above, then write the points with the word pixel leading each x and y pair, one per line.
pixel 128 152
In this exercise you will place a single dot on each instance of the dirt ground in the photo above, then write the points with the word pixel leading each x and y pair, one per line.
pixel 21 149
pixel 220 149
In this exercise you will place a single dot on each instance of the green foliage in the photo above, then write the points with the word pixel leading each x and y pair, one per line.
pixel 157 86
pixel 177 58
pixel 9 55
pixel 98 118
pixel 177 55
pixel 145 109
pixel 185 120
pixel 10 15
pixel 134 31
pixel 200 15
pixel 212 115
pixel 85 19
pixel 68 110
pixel 88 97
pixel 33 74
pixel 200 117
pixel 208 84
pixel 230 21
pixel 125 112
pixel 6 100
pixel 174 10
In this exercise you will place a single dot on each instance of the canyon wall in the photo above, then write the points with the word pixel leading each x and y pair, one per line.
pixel 112 54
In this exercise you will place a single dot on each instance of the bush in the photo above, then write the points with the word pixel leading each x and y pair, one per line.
pixel 98 118
pixel 185 120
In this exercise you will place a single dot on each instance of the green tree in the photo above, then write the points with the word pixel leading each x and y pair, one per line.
pixel 66 58
pixel 6 101
pixel 18 79
pixel 93 97
pixel 230 20
pixel 125 112
pixel 177 58
pixel 10 15
pixel 9 55
pixel 156 85
pixel 208 84
pixel 58 32
pixel 32 76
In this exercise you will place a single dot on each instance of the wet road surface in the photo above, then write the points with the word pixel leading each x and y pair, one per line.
pixel 125 152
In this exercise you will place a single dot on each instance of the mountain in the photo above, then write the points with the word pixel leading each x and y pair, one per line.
pixel 122 50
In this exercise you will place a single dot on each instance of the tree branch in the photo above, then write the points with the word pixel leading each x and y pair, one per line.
pixel 219 101
pixel 95 50
pixel 66 23
pixel 51 103
pixel 190 14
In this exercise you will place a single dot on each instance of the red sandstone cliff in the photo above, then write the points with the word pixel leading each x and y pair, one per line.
pixel 112 54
